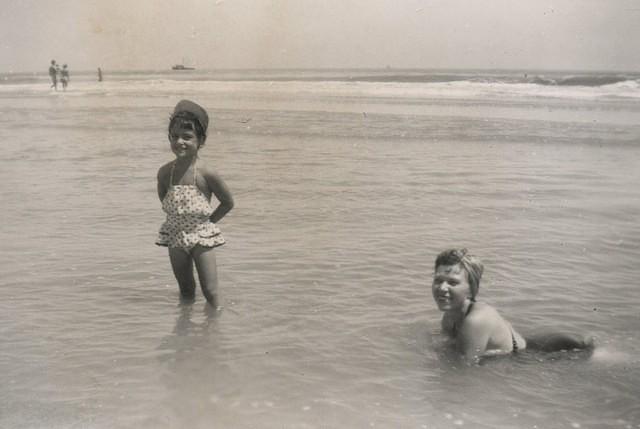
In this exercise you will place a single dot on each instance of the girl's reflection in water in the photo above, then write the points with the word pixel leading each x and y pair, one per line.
pixel 194 369
pixel 195 334
pixel 185 324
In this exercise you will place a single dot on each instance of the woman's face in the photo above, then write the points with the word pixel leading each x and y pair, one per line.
pixel 450 287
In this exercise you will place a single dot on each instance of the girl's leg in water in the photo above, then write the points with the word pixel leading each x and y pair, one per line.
pixel 182 264
pixel 205 259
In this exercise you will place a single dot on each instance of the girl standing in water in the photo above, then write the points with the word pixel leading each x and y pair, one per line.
pixel 185 187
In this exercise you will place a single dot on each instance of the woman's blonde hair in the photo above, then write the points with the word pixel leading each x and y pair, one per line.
pixel 472 265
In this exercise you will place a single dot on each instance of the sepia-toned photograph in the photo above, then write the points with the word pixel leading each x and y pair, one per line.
pixel 303 214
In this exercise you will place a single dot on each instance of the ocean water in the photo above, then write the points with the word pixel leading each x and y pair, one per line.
pixel 347 185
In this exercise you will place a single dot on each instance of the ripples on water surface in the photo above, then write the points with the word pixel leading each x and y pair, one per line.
pixel 343 201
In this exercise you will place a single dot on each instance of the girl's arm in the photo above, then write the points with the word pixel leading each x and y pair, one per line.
pixel 222 193
pixel 162 187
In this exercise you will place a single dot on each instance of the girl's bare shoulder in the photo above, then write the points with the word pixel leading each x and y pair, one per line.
pixel 210 175
pixel 165 170
pixel 206 170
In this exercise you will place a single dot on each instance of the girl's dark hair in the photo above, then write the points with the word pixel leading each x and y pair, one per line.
pixel 189 121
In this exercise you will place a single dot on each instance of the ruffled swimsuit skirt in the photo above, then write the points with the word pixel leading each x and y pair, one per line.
pixel 188 224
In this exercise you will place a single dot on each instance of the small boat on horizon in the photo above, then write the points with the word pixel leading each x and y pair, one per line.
pixel 181 67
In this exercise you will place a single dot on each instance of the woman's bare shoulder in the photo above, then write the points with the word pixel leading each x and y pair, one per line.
pixel 484 315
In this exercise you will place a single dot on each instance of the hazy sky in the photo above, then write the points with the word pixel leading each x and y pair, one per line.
pixel 154 34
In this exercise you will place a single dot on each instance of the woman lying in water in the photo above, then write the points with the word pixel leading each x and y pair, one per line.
pixel 478 328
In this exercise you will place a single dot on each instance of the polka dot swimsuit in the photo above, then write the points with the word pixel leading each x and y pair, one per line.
pixel 188 212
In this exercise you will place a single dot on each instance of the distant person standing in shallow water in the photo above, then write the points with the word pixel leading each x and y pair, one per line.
pixel 478 328
pixel 64 77
pixel 53 74
pixel 99 74
pixel 185 187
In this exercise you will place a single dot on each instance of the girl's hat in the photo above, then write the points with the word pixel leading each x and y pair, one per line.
pixel 195 109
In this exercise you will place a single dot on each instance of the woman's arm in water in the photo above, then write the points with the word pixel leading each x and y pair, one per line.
pixel 473 338
pixel 485 333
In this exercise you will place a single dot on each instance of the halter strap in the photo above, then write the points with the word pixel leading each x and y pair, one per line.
pixel 455 325
pixel 469 309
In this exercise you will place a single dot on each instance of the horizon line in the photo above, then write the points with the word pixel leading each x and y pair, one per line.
pixel 330 69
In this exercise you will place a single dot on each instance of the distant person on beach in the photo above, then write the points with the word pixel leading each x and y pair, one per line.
pixel 53 74
pixel 185 187
pixel 64 77
pixel 99 74
pixel 477 328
